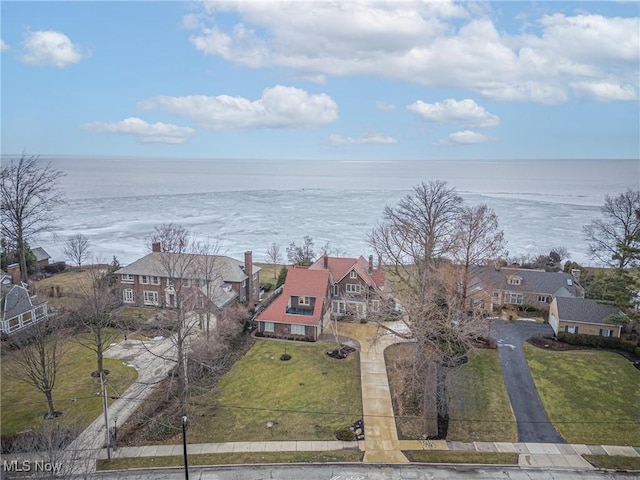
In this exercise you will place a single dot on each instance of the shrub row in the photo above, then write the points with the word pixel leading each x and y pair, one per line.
pixel 614 343
pixel 55 267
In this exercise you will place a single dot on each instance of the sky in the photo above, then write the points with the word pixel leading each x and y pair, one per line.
pixel 321 80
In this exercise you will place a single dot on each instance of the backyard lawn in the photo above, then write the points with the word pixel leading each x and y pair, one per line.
pixel 305 398
pixel 23 406
pixel 590 396
pixel 68 284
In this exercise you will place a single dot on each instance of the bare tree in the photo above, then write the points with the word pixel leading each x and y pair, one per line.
pixel 301 254
pixel 615 237
pixel 209 272
pixel 478 240
pixel 76 248
pixel 30 191
pixel 38 359
pixel 274 257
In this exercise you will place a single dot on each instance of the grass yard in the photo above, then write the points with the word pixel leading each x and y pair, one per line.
pixel 614 462
pixel 306 398
pixel 590 396
pixel 445 456
pixel 480 410
pixel 23 406
pixel 266 275
pixel 232 459
pixel 479 405
pixel 69 284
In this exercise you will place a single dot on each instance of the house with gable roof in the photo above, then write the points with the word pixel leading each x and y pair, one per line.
pixel 584 316
pixel 357 288
pixel 493 288
pixel 302 310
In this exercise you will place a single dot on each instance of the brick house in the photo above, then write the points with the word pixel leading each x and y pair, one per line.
pixel 209 280
pixel 357 288
pixel 18 309
pixel 584 316
pixel 302 309
pixel 493 288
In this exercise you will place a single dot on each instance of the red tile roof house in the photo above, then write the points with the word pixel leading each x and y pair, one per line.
pixel 146 281
pixel 584 316
pixel 357 288
pixel 302 310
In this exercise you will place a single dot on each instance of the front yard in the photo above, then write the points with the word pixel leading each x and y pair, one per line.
pixel 305 398
pixel 590 396
pixel 76 393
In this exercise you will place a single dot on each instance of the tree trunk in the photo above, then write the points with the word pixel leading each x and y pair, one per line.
pixel 442 400
pixel 52 410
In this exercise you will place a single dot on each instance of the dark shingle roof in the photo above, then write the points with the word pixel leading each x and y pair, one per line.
pixel 41 254
pixel 533 281
pixel 15 301
pixel 584 310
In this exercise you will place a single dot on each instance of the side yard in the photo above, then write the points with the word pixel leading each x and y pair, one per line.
pixel 590 396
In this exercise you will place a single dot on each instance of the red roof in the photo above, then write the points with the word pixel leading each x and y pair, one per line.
pixel 300 281
pixel 339 267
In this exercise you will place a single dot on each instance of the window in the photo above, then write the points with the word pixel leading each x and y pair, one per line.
pixel 514 280
pixel 169 283
pixel 269 327
pixel 128 296
pixel 144 279
pixel 155 280
pixel 375 306
pixel 515 299
pixel 352 288
pixel 544 299
pixel 298 330
pixel 302 300
pixel 150 298
pixel 335 289
pixel 605 332
pixel 353 274
pixel 571 329
pixel 126 278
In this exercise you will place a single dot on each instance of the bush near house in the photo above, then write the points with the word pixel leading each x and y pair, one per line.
pixel 612 343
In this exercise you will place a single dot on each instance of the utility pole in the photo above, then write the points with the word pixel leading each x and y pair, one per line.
pixel 105 407
pixel 185 420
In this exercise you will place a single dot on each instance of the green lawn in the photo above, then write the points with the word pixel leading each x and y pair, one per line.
pixel 306 398
pixel 232 458
pixel 614 462
pixel 590 396
pixel 23 406
pixel 480 410
pixel 445 456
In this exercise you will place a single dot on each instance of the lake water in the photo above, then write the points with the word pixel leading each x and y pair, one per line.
pixel 248 204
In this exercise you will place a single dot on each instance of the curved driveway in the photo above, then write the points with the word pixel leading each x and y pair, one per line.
pixel 531 417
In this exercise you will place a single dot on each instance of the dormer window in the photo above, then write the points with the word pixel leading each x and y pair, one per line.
pixel 353 274
pixel 302 300
pixel 514 280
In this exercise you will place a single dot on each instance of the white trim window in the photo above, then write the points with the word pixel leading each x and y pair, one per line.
pixel 127 278
pixel 375 306
pixel 144 279
pixel 298 330
pixel 571 329
pixel 514 280
pixel 335 289
pixel 352 288
pixel 150 297
pixel 269 327
pixel 516 299
pixel 353 274
pixel 544 299
pixel 303 300
pixel 605 332
pixel 128 295
pixel 155 280
pixel 169 282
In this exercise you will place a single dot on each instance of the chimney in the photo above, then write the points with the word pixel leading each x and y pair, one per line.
pixel 14 271
pixel 379 262
pixel 575 273
pixel 155 247
pixel 248 270
pixel 325 261
pixel 370 263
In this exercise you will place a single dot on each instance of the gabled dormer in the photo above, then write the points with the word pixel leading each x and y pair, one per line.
pixel 514 280
pixel 301 305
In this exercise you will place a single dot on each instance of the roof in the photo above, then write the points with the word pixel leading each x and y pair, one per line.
pixel 41 254
pixel 339 267
pixel 15 301
pixel 533 281
pixel 155 264
pixel 584 310
pixel 300 281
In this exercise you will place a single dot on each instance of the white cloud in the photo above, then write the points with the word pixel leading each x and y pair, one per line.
pixel 387 107
pixel 4 46
pixel 462 112
pixel 436 44
pixel 143 131
pixel 279 106
pixel 50 49
pixel 605 91
pixel 467 137
pixel 377 138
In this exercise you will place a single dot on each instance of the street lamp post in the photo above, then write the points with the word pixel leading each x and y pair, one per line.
pixel 185 420
pixel 115 433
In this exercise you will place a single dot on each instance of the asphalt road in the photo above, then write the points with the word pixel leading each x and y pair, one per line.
pixel 533 423
pixel 363 472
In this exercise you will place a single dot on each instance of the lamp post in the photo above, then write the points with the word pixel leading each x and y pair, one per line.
pixel 115 432
pixel 185 421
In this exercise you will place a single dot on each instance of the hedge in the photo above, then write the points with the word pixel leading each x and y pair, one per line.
pixel 614 343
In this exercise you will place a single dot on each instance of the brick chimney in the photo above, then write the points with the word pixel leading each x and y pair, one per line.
pixel 575 273
pixel 370 263
pixel 248 270
pixel 155 247
pixel 379 262
pixel 325 261
pixel 14 271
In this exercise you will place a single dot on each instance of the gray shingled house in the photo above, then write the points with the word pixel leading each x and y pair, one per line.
pixel 584 316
